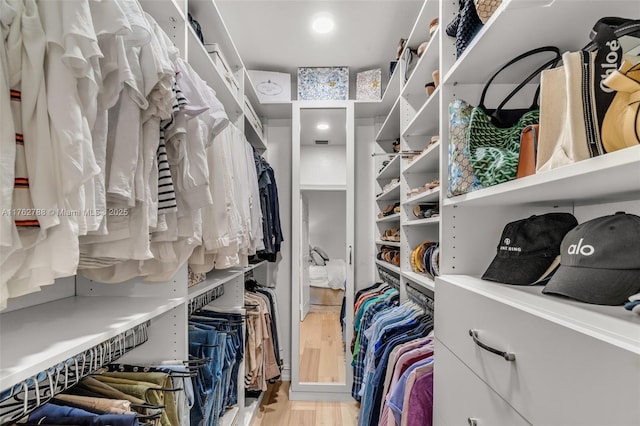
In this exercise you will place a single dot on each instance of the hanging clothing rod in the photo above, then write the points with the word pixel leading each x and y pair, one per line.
pixel 376 154
pixel 205 298
pixel 24 397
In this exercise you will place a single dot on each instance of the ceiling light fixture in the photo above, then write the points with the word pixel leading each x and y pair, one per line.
pixel 322 126
pixel 323 23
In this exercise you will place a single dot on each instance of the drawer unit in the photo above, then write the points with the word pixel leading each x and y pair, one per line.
pixel 461 398
pixel 560 375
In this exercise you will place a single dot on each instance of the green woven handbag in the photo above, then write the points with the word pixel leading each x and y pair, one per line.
pixel 494 135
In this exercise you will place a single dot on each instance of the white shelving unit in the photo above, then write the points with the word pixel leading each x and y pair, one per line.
pixel 422 280
pixel 517 319
pixel 388 266
pixel 391 193
pixel 391 218
pixel 387 243
pixel 42 330
pixel 391 170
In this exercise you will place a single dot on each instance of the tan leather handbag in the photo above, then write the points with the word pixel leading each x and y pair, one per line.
pixel 528 150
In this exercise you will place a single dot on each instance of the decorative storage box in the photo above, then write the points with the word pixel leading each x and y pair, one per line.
pixel 223 66
pixel 323 83
pixel 368 85
pixel 271 86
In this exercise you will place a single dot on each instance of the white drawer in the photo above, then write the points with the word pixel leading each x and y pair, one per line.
pixel 560 376
pixel 461 397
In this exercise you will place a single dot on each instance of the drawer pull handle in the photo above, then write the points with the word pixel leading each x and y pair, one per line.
pixel 472 421
pixel 508 356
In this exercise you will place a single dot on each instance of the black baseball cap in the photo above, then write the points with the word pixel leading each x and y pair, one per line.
pixel 528 247
pixel 600 261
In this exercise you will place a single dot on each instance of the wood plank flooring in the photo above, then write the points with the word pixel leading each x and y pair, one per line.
pixel 277 410
pixel 321 346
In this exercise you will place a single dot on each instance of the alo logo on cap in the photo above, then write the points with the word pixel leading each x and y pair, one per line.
pixel 585 250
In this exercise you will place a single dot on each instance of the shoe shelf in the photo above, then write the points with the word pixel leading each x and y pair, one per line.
pixel 391 170
pixel 390 129
pixel 421 74
pixel 420 279
pixel 425 122
pixel 432 195
pixel 388 266
pixel 392 193
pixel 598 179
pixel 427 221
pixel 230 417
pixel 391 218
pixel 525 17
pixel 388 243
pixel 427 161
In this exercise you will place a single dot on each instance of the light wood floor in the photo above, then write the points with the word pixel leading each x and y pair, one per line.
pixel 321 346
pixel 277 410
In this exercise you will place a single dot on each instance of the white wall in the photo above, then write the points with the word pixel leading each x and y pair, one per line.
pixel 279 156
pixel 327 222
pixel 365 253
pixel 323 165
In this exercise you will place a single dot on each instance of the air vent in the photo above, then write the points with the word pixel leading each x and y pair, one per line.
pixel 319 142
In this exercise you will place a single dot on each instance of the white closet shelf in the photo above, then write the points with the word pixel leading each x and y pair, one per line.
pixel 214 279
pixel 428 161
pixel 252 405
pixel 367 109
pixel 39 337
pixel 202 63
pixel 165 13
pixel 388 243
pixel 391 170
pixel 525 17
pixel 214 29
pixel 425 122
pixel 426 221
pixel 392 193
pixel 254 136
pixel 391 218
pixel 420 279
pixel 313 187
pixel 388 266
pixel 250 93
pixel 430 195
pixel 420 30
pixel 390 129
pixel 606 178
pixel 230 417
pixel 421 74
pixel 253 266
pixel 612 324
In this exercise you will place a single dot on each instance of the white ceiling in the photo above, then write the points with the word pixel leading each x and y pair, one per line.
pixel 336 118
pixel 277 35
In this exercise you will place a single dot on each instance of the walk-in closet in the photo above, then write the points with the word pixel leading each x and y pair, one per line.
pixel 320 213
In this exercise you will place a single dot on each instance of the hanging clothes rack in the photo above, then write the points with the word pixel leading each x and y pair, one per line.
pixel 204 299
pixel 24 397
pixel 420 298
pixel 389 278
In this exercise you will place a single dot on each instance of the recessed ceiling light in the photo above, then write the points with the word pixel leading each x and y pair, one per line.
pixel 322 126
pixel 323 23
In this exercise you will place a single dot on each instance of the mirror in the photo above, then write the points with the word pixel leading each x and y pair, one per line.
pixel 322 281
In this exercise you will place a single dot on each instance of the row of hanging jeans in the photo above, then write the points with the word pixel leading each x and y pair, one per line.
pixel 216 337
